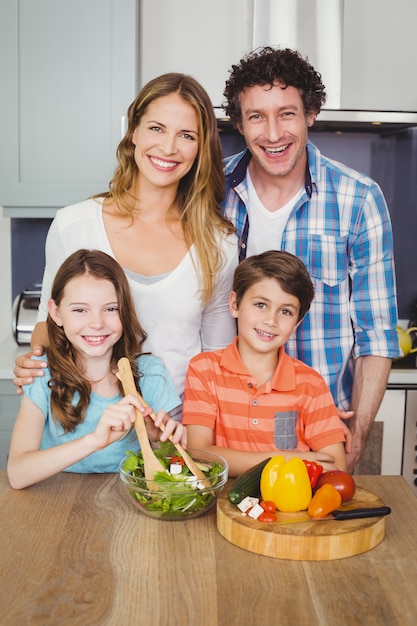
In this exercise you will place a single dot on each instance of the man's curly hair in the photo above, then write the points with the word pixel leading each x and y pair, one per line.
pixel 268 66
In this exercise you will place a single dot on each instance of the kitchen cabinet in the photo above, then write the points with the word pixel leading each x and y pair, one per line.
pixel 68 73
pixel 383 452
pixel 410 441
pixel 379 47
pixel 194 37
pixel 9 407
pixel 392 414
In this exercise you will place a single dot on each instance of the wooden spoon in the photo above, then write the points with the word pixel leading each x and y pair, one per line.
pixel 124 365
pixel 151 462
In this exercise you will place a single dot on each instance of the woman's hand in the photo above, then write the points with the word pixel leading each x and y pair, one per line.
pixel 26 368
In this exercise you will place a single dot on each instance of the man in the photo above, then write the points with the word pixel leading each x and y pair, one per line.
pixel 281 193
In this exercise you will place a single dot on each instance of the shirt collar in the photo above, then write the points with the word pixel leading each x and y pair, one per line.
pixel 239 171
pixel 283 378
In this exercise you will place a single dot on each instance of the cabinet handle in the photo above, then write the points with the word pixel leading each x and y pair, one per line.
pixel 123 126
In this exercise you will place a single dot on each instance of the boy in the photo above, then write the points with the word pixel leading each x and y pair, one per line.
pixel 251 400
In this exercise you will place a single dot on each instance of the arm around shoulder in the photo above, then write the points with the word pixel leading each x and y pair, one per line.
pixel 27 368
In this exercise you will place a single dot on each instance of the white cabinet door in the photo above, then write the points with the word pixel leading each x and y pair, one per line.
pixel 194 37
pixel 379 55
pixel 9 408
pixel 68 74
pixel 392 413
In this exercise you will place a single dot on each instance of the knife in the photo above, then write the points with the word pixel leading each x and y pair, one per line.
pixel 339 515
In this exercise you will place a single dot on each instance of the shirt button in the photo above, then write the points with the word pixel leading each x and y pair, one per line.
pixel 250 385
pixel 254 403
pixel 255 421
pixel 243 245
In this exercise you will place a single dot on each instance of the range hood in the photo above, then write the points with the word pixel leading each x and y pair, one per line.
pixel 345 40
pixel 336 120
pixel 364 121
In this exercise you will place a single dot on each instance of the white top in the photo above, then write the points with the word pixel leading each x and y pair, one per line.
pixel 170 310
pixel 266 227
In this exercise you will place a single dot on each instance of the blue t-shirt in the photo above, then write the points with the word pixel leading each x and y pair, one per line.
pixel 157 390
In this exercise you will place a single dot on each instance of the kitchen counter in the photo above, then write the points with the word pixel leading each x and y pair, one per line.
pixel 9 350
pixel 75 551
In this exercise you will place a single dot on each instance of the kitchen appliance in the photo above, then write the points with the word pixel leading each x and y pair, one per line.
pixel 25 310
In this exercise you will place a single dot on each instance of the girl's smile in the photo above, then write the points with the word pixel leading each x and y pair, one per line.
pixel 89 315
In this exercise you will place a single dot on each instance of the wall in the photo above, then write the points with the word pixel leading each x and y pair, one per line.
pixel 28 252
pixel 5 278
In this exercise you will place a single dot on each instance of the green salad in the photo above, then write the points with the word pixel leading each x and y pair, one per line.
pixel 179 494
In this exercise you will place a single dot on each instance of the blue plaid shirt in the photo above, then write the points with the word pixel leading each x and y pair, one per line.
pixel 340 228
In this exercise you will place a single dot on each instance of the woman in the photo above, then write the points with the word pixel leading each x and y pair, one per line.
pixel 161 220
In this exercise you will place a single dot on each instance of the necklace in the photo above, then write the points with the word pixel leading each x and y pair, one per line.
pixel 99 380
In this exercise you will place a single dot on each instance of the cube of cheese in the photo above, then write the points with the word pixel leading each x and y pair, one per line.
pixel 247 503
pixel 255 511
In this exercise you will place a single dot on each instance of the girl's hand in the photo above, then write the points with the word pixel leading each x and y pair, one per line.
pixel 115 421
pixel 172 427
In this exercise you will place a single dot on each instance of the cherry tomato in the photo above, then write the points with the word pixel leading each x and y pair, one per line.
pixel 267 516
pixel 269 506
pixel 341 481
pixel 178 460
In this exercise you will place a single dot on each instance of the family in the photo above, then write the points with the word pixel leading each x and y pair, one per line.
pixel 255 297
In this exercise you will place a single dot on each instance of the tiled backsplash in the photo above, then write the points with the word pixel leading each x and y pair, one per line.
pixel 28 252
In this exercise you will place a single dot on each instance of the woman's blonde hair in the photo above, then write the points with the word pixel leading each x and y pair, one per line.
pixel 201 191
pixel 70 389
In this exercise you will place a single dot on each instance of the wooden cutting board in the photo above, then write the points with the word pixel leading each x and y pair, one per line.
pixel 310 540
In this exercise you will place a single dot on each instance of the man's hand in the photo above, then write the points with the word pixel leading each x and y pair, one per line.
pixel 345 415
pixel 355 452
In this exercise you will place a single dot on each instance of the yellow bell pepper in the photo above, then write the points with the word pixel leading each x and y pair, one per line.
pixel 269 477
pixel 287 484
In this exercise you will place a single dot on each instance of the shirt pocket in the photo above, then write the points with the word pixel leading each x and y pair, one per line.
pixel 285 432
pixel 328 259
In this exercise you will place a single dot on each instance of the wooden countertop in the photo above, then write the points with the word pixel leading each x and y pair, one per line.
pixel 75 551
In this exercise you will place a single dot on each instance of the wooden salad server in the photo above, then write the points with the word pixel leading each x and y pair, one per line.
pixel 125 375
pixel 151 462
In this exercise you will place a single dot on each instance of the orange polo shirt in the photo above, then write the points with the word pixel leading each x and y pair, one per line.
pixel 294 410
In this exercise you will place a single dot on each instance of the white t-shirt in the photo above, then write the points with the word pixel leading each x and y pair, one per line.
pixel 265 227
pixel 170 310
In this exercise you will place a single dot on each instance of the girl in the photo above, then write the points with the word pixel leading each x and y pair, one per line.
pixel 161 219
pixel 74 417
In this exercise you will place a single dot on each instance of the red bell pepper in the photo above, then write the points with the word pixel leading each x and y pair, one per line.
pixel 314 470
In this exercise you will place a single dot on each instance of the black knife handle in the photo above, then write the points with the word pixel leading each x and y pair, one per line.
pixel 378 511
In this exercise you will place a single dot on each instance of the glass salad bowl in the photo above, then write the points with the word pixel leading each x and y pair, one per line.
pixel 174 494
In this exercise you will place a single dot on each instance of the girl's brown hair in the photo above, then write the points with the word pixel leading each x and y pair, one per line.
pixel 67 380
pixel 285 268
pixel 201 191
